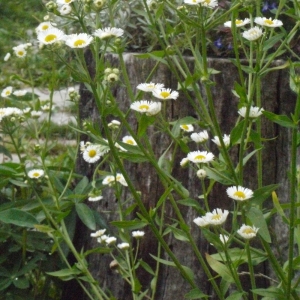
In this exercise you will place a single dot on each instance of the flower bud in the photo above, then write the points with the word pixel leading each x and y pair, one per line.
pixel 201 174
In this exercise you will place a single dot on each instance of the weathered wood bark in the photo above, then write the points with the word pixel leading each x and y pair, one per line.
pixel 276 97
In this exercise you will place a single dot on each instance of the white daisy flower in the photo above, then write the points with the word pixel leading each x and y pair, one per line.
pixel 149 87
pixel 108 32
pixel 247 232
pixel 110 240
pixel 226 140
pixel 184 162
pixel 201 173
pixel 200 137
pixel 238 23
pixel 123 246
pixel 7 56
pixel 209 3
pixel 187 127
pixel 252 34
pixel 138 234
pixel 79 40
pixel 20 93
pixel 109 180
pixel 26 110
pixel 102 238
pixel 216 217
pixel 20 51
pixel 98 233
pixel 120 178
pixel 36 114
pixel 254 112
pixel 45 107
pixel 94 198
pixel 92 153
pixel 6 92
pixel 36 173
pixel 268 22
pixel 192 2
pixel 117 145
pixel 165 94
pixel 65 9
pixel 114 124
pixel 50 36
pixel 201 222
pixel 239 193
pixel 44 26
pixel 128 139
pixel 150 108
pixel 200 157
pixel 224 238
pixel 15 111
pixel 61 2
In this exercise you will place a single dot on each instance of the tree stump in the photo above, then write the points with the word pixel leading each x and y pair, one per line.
pixel 276 97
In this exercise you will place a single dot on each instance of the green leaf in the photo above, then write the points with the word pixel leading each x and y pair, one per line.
pixel 187 270
pixel 241 93
pixel 269 43
pixel 282 120
pixel 18 183
pixel 7 171
pixel 5 151
pixel 133 157
pixel 219 176
pixel 190 202
pixel 195 294
pixel 235 296
pixel 219 268
pixel 18 217
pixel 279 208
pixel 21 282
pixel 82 186
pixel 260 195
pixel 86 215
pixel 147 267
pixel 236 133
pixel 272 292
pixel 69 273
pixel 144 122
pixel 4 283
pixel 179 234
pixel 130 225
pixel 256 217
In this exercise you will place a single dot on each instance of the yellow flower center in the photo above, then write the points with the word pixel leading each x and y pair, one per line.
pixel 216 217
pixel 7 93
pixel 200 157
pixel 36 174
pixel 144 107
pixel 150 86
pixel 238 22
pixel 79 43
pixel 248 230
pixel 185 127
pixel 130 142
pixel 50 38
pixel 45 27
pixel 240 194
pixel 67 1
pixel 165 94
pixel 92 153
pixel 20 53
pixel 268 22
